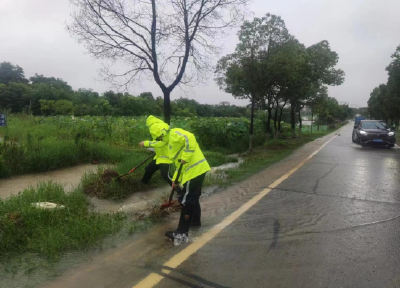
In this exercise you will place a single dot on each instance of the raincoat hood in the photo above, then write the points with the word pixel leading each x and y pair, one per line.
pixel 157 127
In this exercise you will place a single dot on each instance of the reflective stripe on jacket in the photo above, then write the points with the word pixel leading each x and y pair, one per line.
pixel 182 145
pixel 161 149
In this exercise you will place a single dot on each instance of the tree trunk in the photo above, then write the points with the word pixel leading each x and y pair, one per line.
pixel 167 107
pixel 312 118
pixel 300 123
pixel 275 121
pixel 293 121
pixel 252 124
pixel 319 120
pixel 279 123
pixel 269 109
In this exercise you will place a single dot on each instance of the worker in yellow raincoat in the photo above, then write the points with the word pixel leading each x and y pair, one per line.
pixel 161 160
pixel 184 150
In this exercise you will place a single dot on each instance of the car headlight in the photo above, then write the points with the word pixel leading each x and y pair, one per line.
pixel 391 134
pixel 363 133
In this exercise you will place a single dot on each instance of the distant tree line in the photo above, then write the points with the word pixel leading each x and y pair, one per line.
pixel 384 101
pixel 40 95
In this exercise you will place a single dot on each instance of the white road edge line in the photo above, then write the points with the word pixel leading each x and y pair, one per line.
pixel 153 279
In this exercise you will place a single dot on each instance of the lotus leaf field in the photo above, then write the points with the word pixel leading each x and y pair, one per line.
pixel 37 144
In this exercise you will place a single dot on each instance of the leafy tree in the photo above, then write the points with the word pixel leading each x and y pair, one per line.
pixel 56 107
pixel 392 102
pixel 147 95
pixel 44 91
pixel 276 35
pixel 171 41
pixel 317 96
pixel 15 97
pixel 52 82
pixel 321 71
pixel 242 73
pixel 103 108
pixel 85 96
pixel 113 98
pixel 10 73
pixel 83 109
pixel 376 106
pixel 287 64
pixel 384 101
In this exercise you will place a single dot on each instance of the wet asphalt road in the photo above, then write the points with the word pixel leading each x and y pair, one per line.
pixel 334 223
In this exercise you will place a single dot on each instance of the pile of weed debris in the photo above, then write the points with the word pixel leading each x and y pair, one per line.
pixel 105 184
pixel 109 175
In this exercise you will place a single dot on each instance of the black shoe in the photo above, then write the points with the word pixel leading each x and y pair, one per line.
pixel 170 235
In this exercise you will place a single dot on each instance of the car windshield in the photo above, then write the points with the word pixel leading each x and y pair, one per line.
pixel 373 125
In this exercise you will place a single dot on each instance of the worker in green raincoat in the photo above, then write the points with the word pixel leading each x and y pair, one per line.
pixel 161 161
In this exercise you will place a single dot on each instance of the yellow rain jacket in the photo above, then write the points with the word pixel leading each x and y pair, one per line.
pixel 182 145
pixel 157 128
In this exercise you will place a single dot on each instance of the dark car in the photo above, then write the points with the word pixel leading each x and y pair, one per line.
pixel 373 132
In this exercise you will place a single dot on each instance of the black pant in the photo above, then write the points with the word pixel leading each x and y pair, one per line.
pixel 152 168
pixel 189 199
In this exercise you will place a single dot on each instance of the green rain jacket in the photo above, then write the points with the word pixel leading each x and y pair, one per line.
pixel 158 128
pixel 182 145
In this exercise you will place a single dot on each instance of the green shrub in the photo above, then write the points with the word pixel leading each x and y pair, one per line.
pixel 277 144
pixel 4 171
pixel 217 159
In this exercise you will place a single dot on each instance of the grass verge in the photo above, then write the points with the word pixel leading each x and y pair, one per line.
pixel 25 228
pixel 272 152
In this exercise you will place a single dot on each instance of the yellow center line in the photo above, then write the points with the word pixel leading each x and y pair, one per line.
pixel 153 279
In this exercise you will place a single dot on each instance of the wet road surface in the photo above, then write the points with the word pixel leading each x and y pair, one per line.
pixel 335 222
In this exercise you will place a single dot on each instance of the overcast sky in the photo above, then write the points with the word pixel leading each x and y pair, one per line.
pixel 363 32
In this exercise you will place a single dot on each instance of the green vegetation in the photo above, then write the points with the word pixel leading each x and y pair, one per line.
pixel 25 228
pixel 271 152
pixel 216 159
pixel 49 96
pixel 36 144
pixel 384 101
pixel 273 70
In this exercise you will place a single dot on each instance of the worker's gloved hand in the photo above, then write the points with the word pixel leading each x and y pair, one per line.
pixel 176 188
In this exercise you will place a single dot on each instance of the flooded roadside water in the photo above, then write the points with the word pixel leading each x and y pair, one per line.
pixel 68 177
pixel 71 177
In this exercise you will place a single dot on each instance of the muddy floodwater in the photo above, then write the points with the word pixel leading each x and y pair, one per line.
pixel 71 177
pixel 68 177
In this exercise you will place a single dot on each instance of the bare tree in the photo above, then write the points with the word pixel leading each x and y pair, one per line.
pixel 172 41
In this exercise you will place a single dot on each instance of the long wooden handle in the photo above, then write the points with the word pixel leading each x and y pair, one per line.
pixel 141 163
pixel 177 179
